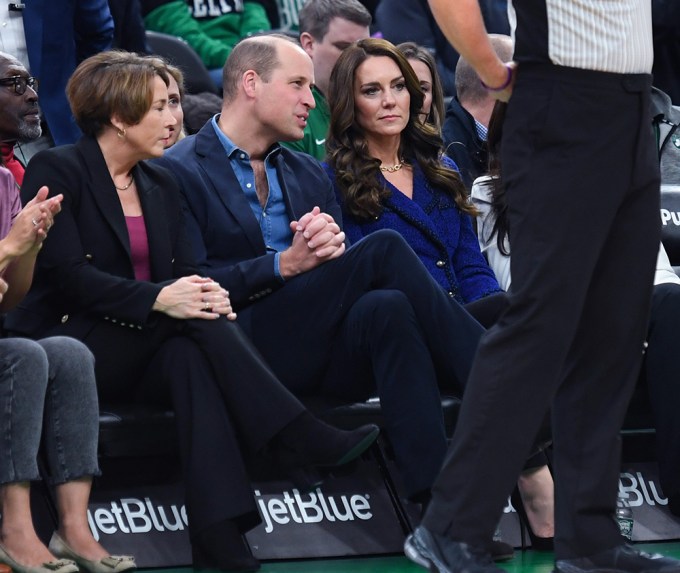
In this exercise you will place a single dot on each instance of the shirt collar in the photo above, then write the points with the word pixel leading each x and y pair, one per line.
pixel 482 130
pixel 232 149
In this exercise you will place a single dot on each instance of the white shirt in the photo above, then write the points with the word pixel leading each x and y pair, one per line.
pixel 481 196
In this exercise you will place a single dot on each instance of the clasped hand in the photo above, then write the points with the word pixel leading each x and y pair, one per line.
pixel 317 238
pixel 194 297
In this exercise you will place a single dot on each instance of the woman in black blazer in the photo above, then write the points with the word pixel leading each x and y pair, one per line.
pixel 116 272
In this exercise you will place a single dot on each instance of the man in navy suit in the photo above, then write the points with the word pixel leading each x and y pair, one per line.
pixel 340 322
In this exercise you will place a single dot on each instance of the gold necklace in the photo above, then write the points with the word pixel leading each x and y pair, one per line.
pixel 392 168
pixel 124 187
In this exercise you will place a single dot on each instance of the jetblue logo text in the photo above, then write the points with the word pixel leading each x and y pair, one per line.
pixel 636 490
pixel 132 515
pixel 313 507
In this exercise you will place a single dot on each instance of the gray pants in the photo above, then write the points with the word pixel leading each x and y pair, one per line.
pixel 48 392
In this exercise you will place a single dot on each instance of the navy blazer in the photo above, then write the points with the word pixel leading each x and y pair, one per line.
pixel 437 230
pixel 226 236
pixel 84 272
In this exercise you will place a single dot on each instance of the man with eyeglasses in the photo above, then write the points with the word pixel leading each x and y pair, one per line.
pixel 19 113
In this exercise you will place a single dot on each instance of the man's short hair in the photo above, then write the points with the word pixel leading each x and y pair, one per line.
pixel 257 53
pixel 468 86
pixel 316 15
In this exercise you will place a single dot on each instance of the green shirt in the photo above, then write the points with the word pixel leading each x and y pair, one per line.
pixel 314 141
pixel 212 37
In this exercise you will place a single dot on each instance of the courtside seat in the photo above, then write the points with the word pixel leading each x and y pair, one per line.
pixel 136 430
pixel 179 53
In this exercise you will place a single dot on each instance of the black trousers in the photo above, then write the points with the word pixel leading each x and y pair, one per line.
pixel 227 403
pixel 582 181
pixel 661 375
pixel 373 320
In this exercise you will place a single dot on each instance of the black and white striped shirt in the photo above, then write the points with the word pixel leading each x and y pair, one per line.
pixel 605 35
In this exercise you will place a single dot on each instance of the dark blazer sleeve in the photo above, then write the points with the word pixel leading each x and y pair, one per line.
pixel 84 267
pixel 226 238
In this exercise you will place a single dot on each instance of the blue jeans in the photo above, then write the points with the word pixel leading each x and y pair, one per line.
pixel 48 392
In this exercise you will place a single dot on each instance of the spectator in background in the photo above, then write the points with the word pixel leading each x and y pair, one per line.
pixel 666 30
pixel 129 32
pixel 468 113
pixel 400 21
pixel 423 64
pixel 326 28
pixel 412 21
pixel 12 37
pixel 288 14
pixel 175 97
pixel 210 28
pixel 19 112
pixel 59 35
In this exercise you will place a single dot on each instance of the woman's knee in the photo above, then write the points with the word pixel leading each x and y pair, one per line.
pixel 23 359
pixel 66 350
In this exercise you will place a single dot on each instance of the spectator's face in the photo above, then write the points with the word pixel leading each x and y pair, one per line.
pixel 19 114
pixel 147 138
pixel 283 103
pixel 422 70
pixel 175 107
pixel 381 100
pixel 341 33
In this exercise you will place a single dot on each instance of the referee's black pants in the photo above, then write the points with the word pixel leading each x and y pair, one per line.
pixel 580 166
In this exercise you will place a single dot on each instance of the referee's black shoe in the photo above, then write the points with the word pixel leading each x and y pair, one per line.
pixel 439 554
pixel 620 559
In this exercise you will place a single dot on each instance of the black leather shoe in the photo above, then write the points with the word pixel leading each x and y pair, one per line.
pixel 621 559
pixel 438 554
pixel 338 448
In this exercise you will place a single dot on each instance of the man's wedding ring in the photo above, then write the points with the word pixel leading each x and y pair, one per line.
pixel 35 223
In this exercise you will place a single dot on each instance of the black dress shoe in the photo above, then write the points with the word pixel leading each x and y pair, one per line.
pixel 439 554
pixel 621 559
pixel 316 443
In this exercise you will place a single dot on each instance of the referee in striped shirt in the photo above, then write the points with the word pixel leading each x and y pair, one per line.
pixel 582 186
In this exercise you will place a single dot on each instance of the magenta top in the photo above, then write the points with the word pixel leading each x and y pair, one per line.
pixel 139 247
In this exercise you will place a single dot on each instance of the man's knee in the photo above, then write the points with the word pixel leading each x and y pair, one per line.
pixel 385 309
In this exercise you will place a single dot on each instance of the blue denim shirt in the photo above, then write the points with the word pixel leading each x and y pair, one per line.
pixel 273 219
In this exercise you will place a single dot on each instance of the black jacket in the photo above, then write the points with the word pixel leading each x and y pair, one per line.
pixel 84 272
pixel 462 144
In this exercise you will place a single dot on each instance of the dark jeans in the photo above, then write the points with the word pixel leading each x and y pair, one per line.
pixel 48 393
